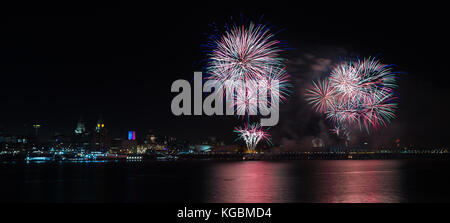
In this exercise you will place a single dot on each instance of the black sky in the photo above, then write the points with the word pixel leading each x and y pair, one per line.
pixel 60 63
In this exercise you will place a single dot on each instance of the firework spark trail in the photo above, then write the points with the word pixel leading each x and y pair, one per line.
pixel 321 96
pixel 246 98
pixel 250 93
pixel 276 76
pixel 356 92
pixel 252 134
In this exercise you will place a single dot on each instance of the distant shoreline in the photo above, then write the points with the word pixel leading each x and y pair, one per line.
pixel 256 156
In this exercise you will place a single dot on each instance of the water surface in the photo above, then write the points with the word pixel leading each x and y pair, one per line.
pixel 318 181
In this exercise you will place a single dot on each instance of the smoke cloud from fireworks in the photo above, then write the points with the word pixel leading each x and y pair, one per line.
pixel 301 124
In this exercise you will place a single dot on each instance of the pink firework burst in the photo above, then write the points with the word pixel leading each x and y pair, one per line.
pixel 244 52
pixel 356 92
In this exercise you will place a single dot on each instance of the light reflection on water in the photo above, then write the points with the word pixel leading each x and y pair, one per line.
pixel 318 181
pixel 248 182
pixel 358 181
pixel 349 181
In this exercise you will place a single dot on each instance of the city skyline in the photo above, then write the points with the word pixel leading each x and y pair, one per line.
pixel 223 112
pixel 113 67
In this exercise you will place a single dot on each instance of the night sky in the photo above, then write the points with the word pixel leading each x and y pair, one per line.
pixel 119 61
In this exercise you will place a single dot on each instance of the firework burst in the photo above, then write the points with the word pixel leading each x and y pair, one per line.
pixel 243 53
pixel 252 134
pixel 356 92
pixel 246 59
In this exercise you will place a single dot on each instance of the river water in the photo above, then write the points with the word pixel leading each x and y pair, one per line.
pixel 317 181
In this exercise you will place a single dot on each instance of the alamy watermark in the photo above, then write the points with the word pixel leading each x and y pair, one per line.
pixel 255 97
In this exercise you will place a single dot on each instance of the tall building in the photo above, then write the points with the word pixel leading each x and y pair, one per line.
pixel 81 127
pixel 116 146
pixel 81 138
pixel 130 146
pixel 100 138
pixel 36 127
pixel 150 139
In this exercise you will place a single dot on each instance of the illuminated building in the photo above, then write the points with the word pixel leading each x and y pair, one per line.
pixel 81 128
pixel 318 145
pixel 130 146
pixel 131 135
pixel 158 148
pixel 36 126
pixel 142 149
pixel 100 138
pixel 152 138
pixel 149 140
pixel 202 148
pixel 116 145
pixel 226 149
pixel 99 126
pixel 81 138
